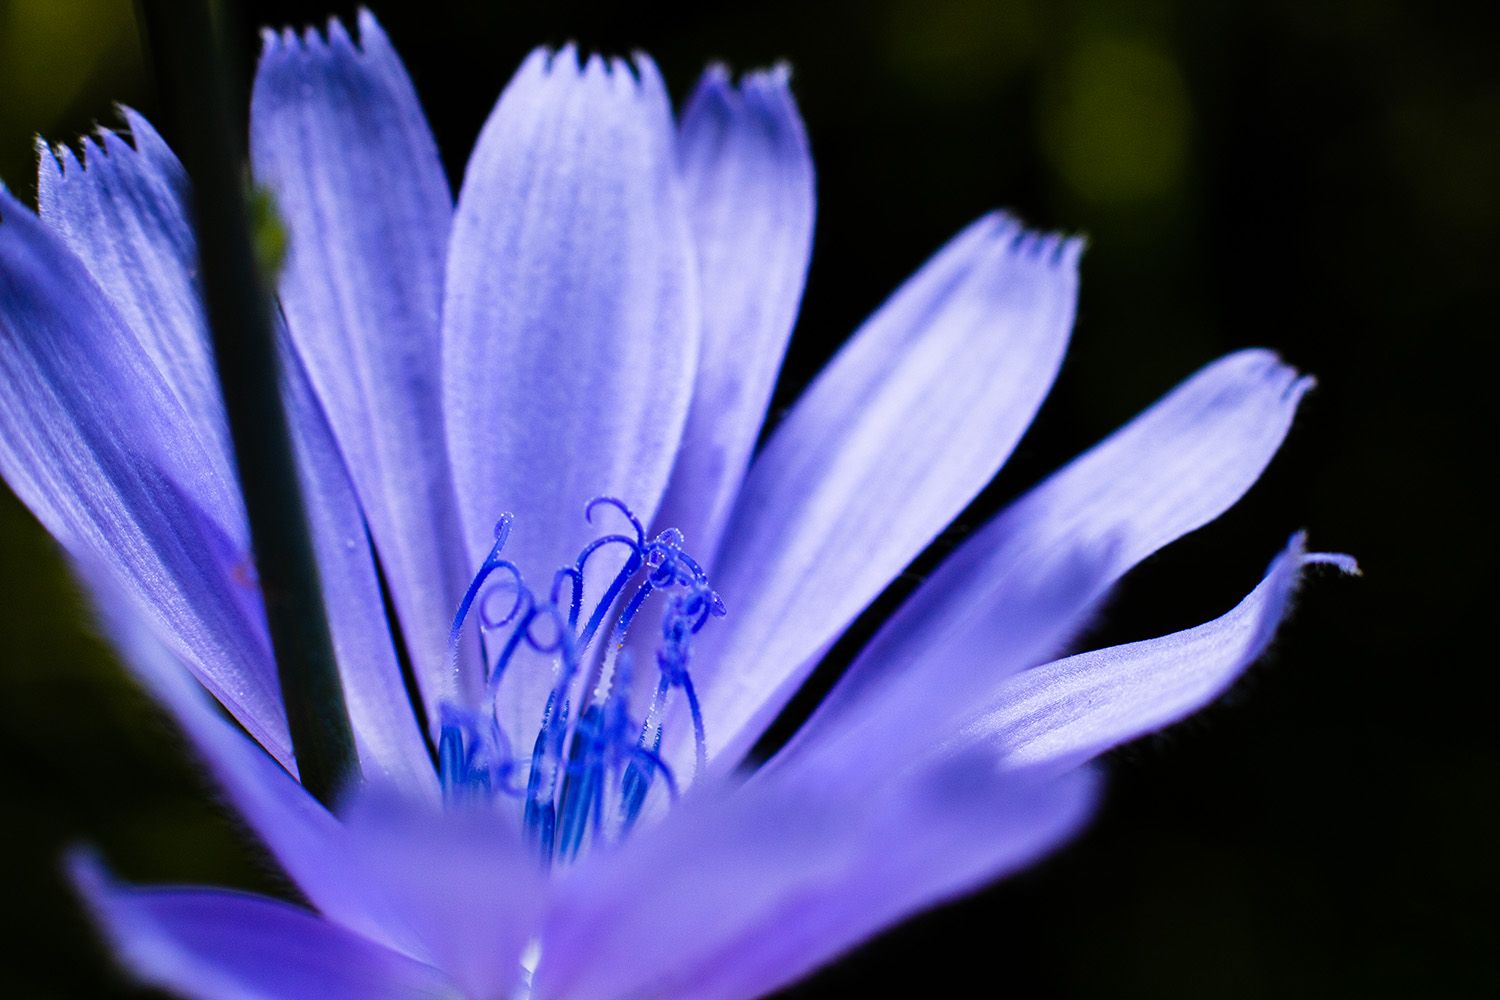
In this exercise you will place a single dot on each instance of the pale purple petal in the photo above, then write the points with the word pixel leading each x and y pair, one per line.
pixel 1058 715
pixel 214 944
pixel 736 896
pixel 749 181
pixel 100 448
pixel 1172 469
pixel 905 426
pixel 387 732
pixel 895 723
pixel 125 212
pixel 571 322
pixel 338 137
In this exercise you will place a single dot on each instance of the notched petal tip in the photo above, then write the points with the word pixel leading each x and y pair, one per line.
pixel 1070 251
pixel 47 157
pixel 648 77
pixel 373 41
pixel 569 65
pixel 1051 248
pixel 620 70
pixel 778 74
pixel 368 24
pixel 768 83
pixel 338 37
pixel 544 61
pixel 769 92
pixel 368 41
pixel 1260 369
pixel 717 74
pixel 143 135
pixel 94 148
pixel 102 159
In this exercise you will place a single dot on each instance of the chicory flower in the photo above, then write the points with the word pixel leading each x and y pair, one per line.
pixel 491 401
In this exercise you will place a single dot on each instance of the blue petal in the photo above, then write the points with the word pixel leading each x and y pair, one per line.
pixel 1172 469
pixel 906 425
pixel 101 449
pixel 571 322
pixel 750 891
pixel 126 215
pixel 123 212
pixel 749 181
pixel 338 137
pixel 1059 715
pixel 220 945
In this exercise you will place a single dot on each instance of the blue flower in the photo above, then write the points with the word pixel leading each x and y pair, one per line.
pixel 491 401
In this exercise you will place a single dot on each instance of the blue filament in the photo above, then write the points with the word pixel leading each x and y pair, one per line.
pixel 590 771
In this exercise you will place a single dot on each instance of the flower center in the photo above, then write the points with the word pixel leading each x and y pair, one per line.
pixel 593 763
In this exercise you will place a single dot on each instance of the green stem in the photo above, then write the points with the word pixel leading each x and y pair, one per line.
pixel 205 95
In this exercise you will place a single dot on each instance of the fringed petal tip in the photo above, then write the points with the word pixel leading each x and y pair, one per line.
pixel 58 163
pixel 568 64
pixel 1053 250
pixel 370 40
pixel 1056 250
pixel 1297 547
pixel 771 84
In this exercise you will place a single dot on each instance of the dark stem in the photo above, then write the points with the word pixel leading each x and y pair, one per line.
pixel 204 95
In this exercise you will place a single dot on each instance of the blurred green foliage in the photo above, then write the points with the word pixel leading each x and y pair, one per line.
pixel 62 65
pixel 1317 177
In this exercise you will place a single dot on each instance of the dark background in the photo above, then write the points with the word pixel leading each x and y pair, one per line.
pixel 1319 178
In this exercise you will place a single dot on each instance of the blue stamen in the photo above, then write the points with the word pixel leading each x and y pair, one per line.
pixel 636 782
pixel 591 771
pixel 491 563
pixel 466 772
pixel 540 815
pixel 581 799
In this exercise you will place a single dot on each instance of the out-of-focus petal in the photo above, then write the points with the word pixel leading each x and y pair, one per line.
pixel 749 182
pixel 462 882
pixel 1172 469
pixel 748 892
pixel 1058 715
pixel 570 326
pixel 125 213
pixel 905 426
pixel 455 889
pixel 305 839
pixel 338 137
pixel 100 448
pixel 214 944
